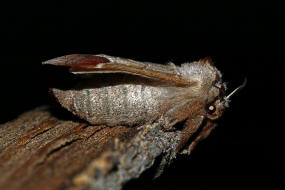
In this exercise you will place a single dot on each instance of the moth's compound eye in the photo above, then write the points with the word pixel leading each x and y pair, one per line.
pixel 211 109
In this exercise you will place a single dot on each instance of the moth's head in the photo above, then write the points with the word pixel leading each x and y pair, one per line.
pixel 218 100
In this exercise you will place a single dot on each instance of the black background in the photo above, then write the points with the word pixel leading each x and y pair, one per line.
pixel 244 39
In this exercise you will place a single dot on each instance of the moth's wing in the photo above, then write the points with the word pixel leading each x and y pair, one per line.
pixel 81 63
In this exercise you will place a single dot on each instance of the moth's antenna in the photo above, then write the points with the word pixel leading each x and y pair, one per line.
pixel 237 89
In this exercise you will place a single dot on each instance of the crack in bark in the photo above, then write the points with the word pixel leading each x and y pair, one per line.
pixel 68 143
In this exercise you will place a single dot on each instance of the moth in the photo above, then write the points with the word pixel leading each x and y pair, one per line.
pixel 119 91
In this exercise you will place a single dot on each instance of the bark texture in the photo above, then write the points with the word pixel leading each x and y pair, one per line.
pixel 43 149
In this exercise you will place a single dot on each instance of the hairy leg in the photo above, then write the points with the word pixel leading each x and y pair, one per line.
pixel 209 126
pixel 191 126
pixel 182 112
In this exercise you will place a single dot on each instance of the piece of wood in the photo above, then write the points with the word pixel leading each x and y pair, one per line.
pixel 43 149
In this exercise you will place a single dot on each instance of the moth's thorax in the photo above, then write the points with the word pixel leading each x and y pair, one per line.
pixel 209 85
pixel 207 77
pixel 201 72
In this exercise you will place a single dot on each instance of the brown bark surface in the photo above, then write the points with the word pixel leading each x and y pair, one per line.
pixel 43 149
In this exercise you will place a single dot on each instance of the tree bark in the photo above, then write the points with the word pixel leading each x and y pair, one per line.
pixel 44 149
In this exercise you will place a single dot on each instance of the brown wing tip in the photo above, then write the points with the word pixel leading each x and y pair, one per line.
pixel 77 60
pixel 66 60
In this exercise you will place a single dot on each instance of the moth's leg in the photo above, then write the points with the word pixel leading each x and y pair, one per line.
pixel 182 113
pixel 209 126
pixel 191 126
pixel 162 110
pixel 164 116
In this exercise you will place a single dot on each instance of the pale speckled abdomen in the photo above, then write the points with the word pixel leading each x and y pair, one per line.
pixel 125 104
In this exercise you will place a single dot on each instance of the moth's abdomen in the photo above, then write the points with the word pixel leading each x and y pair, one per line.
pixel 113 105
